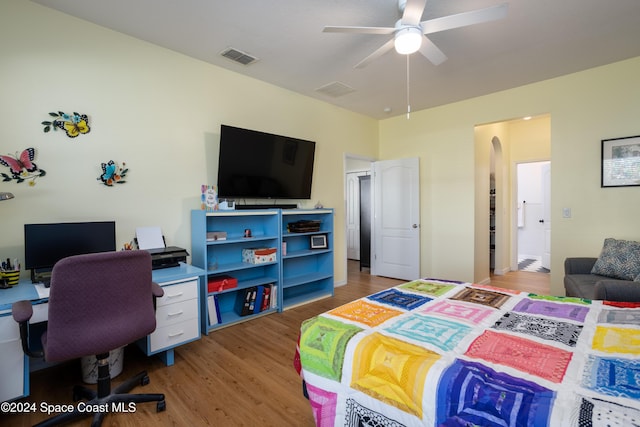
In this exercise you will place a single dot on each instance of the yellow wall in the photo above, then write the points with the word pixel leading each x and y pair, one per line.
pixel 160 112
pixel 156 110
pixel 584 108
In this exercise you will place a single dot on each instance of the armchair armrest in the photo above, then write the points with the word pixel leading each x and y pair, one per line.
pixel 22 312
pixel 617 290
pixel 156 290
pixel 580 265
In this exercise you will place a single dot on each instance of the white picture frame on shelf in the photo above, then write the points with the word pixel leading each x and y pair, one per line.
pixel 318 241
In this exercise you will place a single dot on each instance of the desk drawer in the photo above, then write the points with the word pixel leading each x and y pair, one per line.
pixel 174 335
pixel 179 292
pixel 177 312
pixel 9 329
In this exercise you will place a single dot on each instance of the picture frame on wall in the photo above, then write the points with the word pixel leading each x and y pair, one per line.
pixel 620 162
pixel 318 241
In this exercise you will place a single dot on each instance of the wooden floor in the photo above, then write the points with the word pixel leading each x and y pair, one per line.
pixel 242 375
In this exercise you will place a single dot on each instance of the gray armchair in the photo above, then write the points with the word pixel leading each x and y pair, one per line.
pixel 579 282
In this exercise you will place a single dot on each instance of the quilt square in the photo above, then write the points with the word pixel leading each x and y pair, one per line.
pixel 472 394
pixel 366 313
pixel 552 309
pixel 538 359
pixel 470 313
pixel 322 345
pixel 622 304
pixel 497 289
pixel 359 416
pixel 621 316
pixel 392 371
pixel 439 333
pixel 615 377
pixel 590 412
pixel 574 300
pixel 481 296
pixel 616 340
pixel 323 404
pixel 426 287
pixel 399 299
pixel 540 327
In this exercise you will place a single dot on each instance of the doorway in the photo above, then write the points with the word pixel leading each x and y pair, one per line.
pixel 533 216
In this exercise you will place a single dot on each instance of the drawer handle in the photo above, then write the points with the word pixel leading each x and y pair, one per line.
pixel 175 314
pixel 175 295
pixel 177 334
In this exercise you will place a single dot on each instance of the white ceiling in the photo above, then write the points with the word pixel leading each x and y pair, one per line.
pixel 539 39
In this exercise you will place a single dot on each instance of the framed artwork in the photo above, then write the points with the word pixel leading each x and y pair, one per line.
pixel 621 162
pixel 318 241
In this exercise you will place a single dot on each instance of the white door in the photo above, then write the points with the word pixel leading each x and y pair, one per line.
pixel 353 215
pixel 546 212
pixel 396 219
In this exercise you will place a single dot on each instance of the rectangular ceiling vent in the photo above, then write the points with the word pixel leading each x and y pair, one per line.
pixel 238 56
pixel 335 89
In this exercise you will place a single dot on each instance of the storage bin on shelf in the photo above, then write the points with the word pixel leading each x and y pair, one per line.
pixel 258 255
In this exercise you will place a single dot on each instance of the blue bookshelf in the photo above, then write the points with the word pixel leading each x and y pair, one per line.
pixel 224 257
pixel 307 273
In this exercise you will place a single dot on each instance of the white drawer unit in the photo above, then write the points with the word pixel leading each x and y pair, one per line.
pixel 177 318
pixel 11 359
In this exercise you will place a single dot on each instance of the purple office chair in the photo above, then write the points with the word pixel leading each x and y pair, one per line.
pixel 97 303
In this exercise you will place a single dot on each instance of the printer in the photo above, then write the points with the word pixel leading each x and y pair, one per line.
pixel 171 256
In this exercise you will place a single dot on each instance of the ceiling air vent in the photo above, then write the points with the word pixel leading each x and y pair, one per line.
pixel 238 56
pixel 335 89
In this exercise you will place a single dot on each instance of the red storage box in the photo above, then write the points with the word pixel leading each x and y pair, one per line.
pixel 221 283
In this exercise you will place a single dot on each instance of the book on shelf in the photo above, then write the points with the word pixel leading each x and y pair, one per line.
pixel 214 310
pixel 266 303
pixel 245 301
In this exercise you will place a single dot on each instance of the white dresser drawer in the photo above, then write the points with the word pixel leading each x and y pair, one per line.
pixel 173 335
pixel 179 292
pixel 176 312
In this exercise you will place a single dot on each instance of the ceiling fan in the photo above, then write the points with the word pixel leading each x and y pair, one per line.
pixel 410 35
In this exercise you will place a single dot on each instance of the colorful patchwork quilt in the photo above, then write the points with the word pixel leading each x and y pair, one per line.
pixel 443 353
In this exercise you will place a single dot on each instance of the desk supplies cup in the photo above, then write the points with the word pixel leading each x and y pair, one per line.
pixel 11 277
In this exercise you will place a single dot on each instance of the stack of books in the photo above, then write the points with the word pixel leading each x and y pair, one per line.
pixel 216 235
pixel 254 300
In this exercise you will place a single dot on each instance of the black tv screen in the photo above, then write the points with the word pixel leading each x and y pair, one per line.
pixel 261 165
pixel 46 244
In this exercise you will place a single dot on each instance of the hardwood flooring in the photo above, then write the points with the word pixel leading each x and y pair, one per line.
pixel 242 375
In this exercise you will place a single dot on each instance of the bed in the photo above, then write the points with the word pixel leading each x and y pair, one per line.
pixel 434 352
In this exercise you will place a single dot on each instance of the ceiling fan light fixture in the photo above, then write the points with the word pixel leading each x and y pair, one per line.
pixel 408 40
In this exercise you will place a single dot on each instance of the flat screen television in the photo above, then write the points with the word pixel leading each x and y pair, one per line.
pixel 261 165
pixel 46 244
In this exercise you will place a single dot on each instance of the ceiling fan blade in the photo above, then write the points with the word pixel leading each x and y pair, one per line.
pixel 413 11
pixel 464 19
pixel 359 30
pixel 432 52
pixel 376 54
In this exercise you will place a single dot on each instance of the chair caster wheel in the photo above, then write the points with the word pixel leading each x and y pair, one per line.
pixel 144 380
pixel 161 406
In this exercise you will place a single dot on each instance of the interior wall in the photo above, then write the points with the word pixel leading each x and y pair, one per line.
pixel 156 110
pixel 584 107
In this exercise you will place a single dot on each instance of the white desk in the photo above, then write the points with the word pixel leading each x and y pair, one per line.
pixel 178 321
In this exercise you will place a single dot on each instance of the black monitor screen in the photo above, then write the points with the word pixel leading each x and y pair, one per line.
pixel 46 244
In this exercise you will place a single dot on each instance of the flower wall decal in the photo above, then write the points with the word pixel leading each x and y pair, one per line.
pixel 112 173
pixel 73 124
pixel 22 167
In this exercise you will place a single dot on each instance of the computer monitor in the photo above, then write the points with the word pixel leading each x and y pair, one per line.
pixel 46 244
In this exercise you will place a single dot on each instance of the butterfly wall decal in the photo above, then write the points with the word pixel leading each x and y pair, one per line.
pixel 112 173
pixel 73 124
pixel 21 166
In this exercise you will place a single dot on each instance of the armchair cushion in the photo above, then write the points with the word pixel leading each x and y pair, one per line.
pixel 619 259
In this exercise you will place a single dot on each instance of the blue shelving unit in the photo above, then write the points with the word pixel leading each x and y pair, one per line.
pixel 307 273
pixel 224 257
